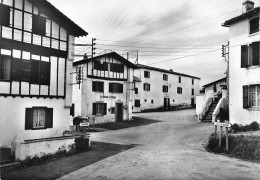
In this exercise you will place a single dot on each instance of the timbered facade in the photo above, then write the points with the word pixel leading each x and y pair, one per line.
pixel 35 64
pixel 107 88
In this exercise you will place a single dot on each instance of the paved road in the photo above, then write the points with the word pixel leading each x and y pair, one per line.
pixel 171 149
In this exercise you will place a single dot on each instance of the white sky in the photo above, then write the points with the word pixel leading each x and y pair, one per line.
pixel 162 30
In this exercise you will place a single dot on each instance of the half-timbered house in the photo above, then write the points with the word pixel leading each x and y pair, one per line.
pixel 35 64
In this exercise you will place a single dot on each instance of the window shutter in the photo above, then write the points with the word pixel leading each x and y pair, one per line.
pixel 45 73
pixel 149 86
pixel 121 88
pixel 144 87
pixel 245 97
pixel 72 110
pixel 110 87
pixel 49 118
pixel 94 86
pixel 28 118
pixel 255 54
pixel 244 56
pixel 5 15
pixel 35 72
pixel 101 84
pixel 105 109
pixel 94 109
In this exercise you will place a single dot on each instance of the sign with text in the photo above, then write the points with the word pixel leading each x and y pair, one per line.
pixel 108 97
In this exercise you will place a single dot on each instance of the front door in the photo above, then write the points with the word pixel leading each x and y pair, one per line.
pixel 119 112
pixel 166 103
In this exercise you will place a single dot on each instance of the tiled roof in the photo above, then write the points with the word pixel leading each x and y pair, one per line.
pixel 222 79
pixel 241 17
pixel 111 54
pixel 164 70
pixel 53 13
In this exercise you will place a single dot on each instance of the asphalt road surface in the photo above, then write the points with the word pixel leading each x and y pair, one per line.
pixel 170 149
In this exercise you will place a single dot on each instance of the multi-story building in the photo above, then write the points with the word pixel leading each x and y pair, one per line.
pixel 35 65
pixel 244 65
pixel 107 88
pixel 160 88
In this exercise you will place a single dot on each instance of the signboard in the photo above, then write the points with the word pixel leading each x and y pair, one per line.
pixel 108 97
pixel 222 124
pixel 84 124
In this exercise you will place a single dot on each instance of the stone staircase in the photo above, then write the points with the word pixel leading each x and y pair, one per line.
pixel 208 117
pixel 6 161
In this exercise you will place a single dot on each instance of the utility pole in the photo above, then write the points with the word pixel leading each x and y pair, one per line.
pixel 93 48
pixel 136 61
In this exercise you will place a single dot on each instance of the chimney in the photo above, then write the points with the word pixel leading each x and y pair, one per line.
pixel 247 6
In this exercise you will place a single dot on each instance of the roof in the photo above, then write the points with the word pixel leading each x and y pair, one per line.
pixel 222 79
pixel 241 17
pixel 165 71
pixel 53 13
pixel 111 54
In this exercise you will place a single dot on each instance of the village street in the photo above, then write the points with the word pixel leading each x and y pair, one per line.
pixel 170 149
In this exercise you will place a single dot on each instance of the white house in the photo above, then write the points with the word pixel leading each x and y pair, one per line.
pixel 160 88
pixel 244 65
pixel 35 65
pixel 107 89
pixel 216 86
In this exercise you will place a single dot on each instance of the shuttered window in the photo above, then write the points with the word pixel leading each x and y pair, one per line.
pixel 136 90
pixel 39 25
pixel 146 74
pixel 179 79
pixel 244 56
pixel 38 118
pixel 192 91
pixel 5 15
pixel 98 86
pixel 99 109
pixel 179 90
pixel 165 77
pixel 245 97
pixel 165 88
pixel 254 25
pixel 115 88
pixel 146 87
pixel 255 54
pixel 5 67
pixel 72 110
pixel 137 103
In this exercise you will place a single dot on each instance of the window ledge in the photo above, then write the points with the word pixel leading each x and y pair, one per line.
pixel 254 109
pixel 254 34
pixel 253 67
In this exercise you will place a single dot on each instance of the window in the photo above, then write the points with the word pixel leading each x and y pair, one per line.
pixel 165 77
pixel 145 100
pixel 101 66
pixel 179 79
pixel 21 70
pixel 137 103
pixel 136 90
pixel 192 81
pixel 98 86
pixel 152 101
pixel 165 89
pixel 72 109
pixel 192 91
pixel 115 88
pixel 254 25
pixel 179 90
pixel 39 25
pixel 5 15
pixel 38 118
pixel 40 72
pixel 117 67
pixel 5 67
pixel 146 74
pixel 146 87
pixel 250 55
pixel 99 109
pixel 251 96
pixel 113 110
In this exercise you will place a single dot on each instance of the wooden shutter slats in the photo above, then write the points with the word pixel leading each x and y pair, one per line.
pixel 49 118
pixel 94 109
pixel 28 118
pixel 105 109
pixel 245 96
pixel 5 15
pixel 244 56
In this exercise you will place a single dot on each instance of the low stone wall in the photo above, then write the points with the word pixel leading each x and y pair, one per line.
pixel 43 147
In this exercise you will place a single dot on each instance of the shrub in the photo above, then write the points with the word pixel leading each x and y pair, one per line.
pixel 81 143
pixel 236 128
pixel 254 126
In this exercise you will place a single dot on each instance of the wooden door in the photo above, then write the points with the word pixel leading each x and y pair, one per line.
pixel 119 112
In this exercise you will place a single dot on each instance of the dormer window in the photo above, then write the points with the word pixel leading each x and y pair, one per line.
pixel 254 25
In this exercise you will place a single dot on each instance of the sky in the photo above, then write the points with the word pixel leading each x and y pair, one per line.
pixel 185 36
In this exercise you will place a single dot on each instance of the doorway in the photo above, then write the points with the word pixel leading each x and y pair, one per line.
pixel 166 103
pixel 119 112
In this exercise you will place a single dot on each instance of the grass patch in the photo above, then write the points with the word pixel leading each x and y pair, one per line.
pixel 137 121
pixel 242 147
pixel 58 167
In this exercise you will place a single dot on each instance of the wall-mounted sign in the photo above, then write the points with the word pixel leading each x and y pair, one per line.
pixel 108 97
